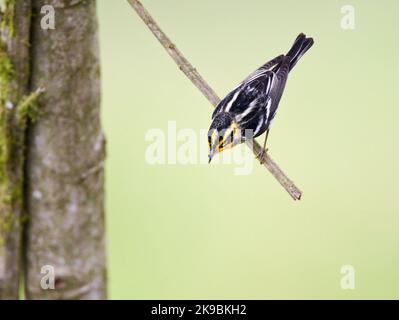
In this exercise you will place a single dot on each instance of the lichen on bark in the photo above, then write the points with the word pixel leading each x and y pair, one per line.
pixel 14 77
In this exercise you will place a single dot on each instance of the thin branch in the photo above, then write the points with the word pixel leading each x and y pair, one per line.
pixel 210 94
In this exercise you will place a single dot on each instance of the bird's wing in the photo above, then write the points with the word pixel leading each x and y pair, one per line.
pixel 223 102
pixel 266 89
pixel 260 95
pixel 261 74
pixel 266 67
pixel 250 97
pixel 281 75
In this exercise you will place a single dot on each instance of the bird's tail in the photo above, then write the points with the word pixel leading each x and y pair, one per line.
pixel 299 48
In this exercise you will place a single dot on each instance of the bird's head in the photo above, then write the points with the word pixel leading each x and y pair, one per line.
pixel 224 133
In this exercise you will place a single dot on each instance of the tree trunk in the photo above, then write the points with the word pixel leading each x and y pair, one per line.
pixel 14 78
pixel 64 190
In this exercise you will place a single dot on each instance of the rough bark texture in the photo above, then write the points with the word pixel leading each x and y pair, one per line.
pixel 14 78
pixel 192 73
pixel 65 157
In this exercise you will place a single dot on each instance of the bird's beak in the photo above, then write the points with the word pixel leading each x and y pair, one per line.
pixel 210 156
pixel 213 143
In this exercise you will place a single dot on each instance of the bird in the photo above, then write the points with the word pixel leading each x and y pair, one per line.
pixel 249 109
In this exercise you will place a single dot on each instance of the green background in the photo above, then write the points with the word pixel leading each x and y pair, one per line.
pixel 199 231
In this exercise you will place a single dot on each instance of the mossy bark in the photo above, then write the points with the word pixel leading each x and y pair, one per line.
pixel 65 157
pixel 14 79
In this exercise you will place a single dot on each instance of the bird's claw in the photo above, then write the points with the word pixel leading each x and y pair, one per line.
pixel 261 156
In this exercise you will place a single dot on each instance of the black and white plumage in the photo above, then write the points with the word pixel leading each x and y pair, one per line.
pixel 252 105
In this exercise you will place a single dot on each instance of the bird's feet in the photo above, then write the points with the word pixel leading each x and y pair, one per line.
pixel 261 156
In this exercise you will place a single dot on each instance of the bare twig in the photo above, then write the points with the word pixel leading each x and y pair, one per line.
pixel 209 93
